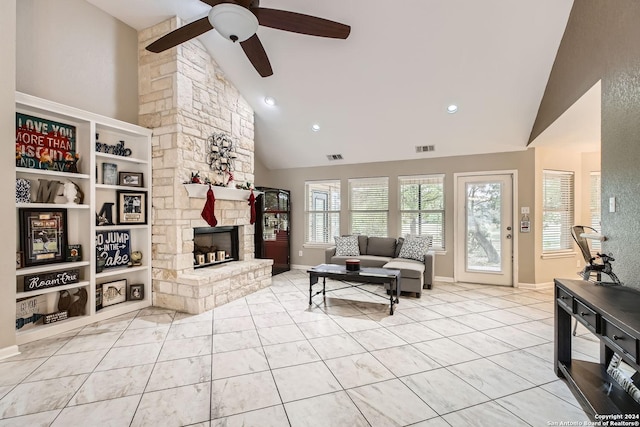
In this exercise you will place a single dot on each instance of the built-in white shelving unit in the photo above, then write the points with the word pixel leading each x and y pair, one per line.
pixel 81 218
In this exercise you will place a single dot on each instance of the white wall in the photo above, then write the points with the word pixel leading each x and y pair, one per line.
pixel 7 175
pixel 71 52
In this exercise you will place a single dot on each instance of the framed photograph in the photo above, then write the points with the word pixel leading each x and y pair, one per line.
pixel 74 253
pixel 136 292
pixel 114 292
pixel 130 179
pixel 132 207
pixel 43 235
pixel 110 174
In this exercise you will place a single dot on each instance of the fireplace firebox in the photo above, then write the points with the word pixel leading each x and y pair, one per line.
pixel 214 245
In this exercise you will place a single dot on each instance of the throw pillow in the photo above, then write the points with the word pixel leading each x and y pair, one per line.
pixel 347 246
pixel 399 247
pixel 415 247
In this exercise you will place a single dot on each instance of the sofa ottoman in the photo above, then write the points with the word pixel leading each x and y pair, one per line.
pixel 411 274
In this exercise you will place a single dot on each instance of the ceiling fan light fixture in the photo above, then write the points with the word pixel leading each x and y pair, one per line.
pixel 233 22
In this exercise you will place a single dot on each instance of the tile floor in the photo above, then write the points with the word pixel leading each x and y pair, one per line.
pixel 462 355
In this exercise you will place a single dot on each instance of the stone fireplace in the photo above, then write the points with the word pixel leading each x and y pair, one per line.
pixel 185 98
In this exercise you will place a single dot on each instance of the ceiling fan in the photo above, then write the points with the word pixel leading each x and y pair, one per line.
pixel 238 20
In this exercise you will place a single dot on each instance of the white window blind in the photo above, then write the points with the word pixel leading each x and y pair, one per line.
pixel 322 211
pixel 422 207
pixel 558 210
pixel 369 206
pixel 595 207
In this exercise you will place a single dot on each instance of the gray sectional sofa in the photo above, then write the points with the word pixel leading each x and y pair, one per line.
pixel 383 252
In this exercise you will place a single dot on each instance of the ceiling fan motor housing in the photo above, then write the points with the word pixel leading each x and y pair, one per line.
pixel 233 22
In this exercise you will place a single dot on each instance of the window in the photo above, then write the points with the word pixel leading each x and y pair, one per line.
pixel 369 206
pixel 322 211
pixel 422 207
pixel 595 207
pixel 557 211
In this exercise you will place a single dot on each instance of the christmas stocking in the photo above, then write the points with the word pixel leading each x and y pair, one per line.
pixel 208 212
pixel 252 203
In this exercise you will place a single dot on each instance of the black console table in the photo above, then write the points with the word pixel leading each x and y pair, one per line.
pixel 613 315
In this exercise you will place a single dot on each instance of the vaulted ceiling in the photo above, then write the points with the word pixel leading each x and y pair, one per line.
pixel 385 90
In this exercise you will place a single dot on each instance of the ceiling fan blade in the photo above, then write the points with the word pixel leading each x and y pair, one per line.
pixel 181 35
pixel 299 23
pixel 214 2
pixel 255 52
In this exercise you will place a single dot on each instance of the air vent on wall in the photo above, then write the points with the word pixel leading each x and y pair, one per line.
pixel 334 156
pixel 425 148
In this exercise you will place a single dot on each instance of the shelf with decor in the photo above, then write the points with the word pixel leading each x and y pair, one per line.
pixel 51 290
pixel 121 270
pixel 60 152
pixel 220 193
pixel 121 158
pixel 50 267
pixel 51 205
pixel 118 187
pixel 122 227
pixel 36 172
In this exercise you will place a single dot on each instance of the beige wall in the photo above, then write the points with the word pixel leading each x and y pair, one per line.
pixel 562 160
pixel 294 179
pixel 590 163
pixel 7 174
pixel 71 52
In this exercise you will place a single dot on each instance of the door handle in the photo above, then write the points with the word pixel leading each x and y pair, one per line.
pixel 509 228
pixel 508 236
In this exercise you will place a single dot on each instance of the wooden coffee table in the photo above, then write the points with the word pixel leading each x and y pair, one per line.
pixel 360 277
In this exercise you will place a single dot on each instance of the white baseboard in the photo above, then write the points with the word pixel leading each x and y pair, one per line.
pixel 301 267
pixel 444 279
pixel 535 286
pixel 9 351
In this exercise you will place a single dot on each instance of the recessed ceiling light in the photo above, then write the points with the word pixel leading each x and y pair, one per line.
pixel 452 108
pixel 269 100
pixel 315 127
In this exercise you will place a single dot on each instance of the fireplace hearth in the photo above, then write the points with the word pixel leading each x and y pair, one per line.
pixel 214 246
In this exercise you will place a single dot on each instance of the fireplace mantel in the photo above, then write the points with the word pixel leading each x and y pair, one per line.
pixel 221 193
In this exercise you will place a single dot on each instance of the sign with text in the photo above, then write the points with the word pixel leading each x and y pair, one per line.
pixel 50 280
pixel 114 246
pixel 45 144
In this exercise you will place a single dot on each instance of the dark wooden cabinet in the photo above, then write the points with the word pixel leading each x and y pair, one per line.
pixel 273 221
pixel 613 315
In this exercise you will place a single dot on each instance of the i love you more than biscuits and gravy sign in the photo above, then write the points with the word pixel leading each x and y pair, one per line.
pixel 45 144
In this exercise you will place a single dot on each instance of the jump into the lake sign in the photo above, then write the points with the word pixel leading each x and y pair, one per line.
pixel 114 246
pixel 45 144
